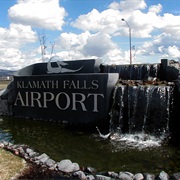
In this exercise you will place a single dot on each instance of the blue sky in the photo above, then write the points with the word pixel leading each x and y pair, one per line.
pixel 83 29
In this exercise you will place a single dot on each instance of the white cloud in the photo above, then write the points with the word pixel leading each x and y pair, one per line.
pixel 114 56
pixel 10 53
pixel 110 20
pixel 98 45
pixel 107 21
pixel 140 27
pixel 9 57
pixel 155 8
pixel 171 25
pixel 14 59
pixel 143 24
pixel 158 33
pixel 16 35
pixel 70 55
pixel 86 45
pixel 164 44
pixel 173 52
pixel 128 5
pixel 69 45
pixel 69 41
pixel 46 14
pixel 12 39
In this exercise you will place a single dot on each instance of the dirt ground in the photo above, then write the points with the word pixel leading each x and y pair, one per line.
pixel 3 84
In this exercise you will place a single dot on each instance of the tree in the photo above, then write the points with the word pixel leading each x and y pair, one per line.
pixel 42 41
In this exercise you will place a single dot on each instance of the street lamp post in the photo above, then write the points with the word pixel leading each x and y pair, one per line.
pixel 130 53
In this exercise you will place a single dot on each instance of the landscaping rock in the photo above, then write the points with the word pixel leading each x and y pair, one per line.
pixel 113 174
pixel 126 176
pixel 176 176
pixel 90 170
pixel 101 177
pixel 163 176
pixel 138 176
pixel 80 175
pixel 21 151
pixel 90 177
pixel 70 170
pixel 67 166
pixel 50 162
pixel 148 176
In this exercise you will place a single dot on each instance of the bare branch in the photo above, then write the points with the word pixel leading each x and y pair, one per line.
pixel 42 41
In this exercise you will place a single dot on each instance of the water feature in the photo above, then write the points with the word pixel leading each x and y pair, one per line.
pixel 137 148
pixel 141 113
pixel 141 120
pixel 141 108
pixel 87 148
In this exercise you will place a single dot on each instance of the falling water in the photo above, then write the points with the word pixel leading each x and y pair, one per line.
pixel 169 93
pixel 141 111
pixel 148 95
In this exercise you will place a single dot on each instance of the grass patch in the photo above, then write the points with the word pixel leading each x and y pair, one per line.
pixel 15 168
pixel 10 165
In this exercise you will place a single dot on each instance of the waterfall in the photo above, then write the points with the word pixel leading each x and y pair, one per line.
pixel 148 95
pixel 142 108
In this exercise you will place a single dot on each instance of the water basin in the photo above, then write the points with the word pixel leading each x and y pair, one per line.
pixel 88 149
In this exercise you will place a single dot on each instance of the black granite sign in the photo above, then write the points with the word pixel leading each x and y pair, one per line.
pixel 73 98
pixel 61 67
